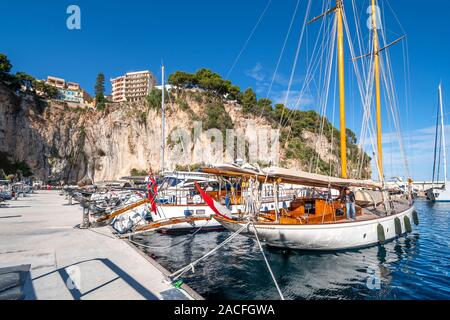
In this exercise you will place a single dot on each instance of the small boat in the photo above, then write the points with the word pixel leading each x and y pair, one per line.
pixel 440 193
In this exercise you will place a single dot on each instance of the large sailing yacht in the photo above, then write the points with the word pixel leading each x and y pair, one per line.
pixel 442 193
pixel 317 221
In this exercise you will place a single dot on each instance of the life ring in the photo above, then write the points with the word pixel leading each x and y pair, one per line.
pixel 197 199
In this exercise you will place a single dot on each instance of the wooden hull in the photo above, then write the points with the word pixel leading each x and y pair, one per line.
pixel 328 236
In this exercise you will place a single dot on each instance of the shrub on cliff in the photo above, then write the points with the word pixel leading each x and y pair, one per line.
pixel 207 80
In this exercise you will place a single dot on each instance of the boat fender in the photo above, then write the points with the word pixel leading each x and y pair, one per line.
pixel 398 226
pixel 415 217
pixel 381 235
pixel 407 224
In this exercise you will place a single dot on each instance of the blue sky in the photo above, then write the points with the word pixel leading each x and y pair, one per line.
pixel 117 37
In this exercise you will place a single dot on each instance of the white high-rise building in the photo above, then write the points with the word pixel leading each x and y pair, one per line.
pixel 133 86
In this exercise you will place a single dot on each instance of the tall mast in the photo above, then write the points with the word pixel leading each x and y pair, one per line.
pixel 163 121
pixel 340 48
pixel 377 87
pixel 339 11
pixel 443 135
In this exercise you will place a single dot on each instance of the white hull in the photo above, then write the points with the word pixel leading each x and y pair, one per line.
pixel 439 195
pixel 332 236
pixel 178 211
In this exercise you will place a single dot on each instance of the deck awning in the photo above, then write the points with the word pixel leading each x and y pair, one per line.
pixel 290 176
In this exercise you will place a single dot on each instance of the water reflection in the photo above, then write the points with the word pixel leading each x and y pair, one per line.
pixel 412 267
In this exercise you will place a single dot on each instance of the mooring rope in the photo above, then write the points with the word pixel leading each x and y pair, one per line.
pixel 267 262
pixel 181 271
pixel 172 245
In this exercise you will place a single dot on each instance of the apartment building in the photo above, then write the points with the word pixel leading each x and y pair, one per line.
pixel 68 91
pixel 133 86
pixel 56 82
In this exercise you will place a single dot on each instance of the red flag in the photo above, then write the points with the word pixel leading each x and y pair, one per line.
pixel 218 209
pixel 152 189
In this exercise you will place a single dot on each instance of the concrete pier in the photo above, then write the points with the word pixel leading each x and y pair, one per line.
pixel 38 234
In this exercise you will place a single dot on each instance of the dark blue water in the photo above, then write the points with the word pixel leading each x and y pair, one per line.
pixel 416 266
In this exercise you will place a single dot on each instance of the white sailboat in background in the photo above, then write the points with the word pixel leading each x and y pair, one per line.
pixel 440 194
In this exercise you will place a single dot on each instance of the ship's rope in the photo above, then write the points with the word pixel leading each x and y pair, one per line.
pixel 267 262
pixel 291 78
pixel 269 91
pixel 191 266
pixel 249 38
pixel 172 245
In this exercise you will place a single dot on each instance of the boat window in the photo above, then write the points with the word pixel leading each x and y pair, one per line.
pixel 200 212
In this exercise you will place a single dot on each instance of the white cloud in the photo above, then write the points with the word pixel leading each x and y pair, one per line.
pixel 278 92
pixel 419 149
pixel 256 73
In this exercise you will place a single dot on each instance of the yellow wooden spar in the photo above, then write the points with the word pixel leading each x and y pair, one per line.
pixel 340 48
pixel 377 87
pixel 341 69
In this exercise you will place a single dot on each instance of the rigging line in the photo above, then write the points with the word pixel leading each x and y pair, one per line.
pixel 283 48
pixel 358 76
pixel 299 45
pixel 172 245
pixel 368 97
pixel 333 119
pixel 390 88
pixel 308 77
pixel 439 156
pixel 328 72
pixel 407 90
pixel 249 38
pixel 267 262
pixel 323 99
pixel 396 17
pixel 190 266
pixel 366 102
pixel 310 68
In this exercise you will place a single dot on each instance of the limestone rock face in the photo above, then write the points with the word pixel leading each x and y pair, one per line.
pixel 59 142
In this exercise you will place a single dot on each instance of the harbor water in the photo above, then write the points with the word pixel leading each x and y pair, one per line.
pixel 416 266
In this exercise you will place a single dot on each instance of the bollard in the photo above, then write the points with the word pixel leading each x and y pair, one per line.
pixel 70 199
pixel 85 224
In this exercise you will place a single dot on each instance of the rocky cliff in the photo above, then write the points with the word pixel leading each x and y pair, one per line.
pixel 60 142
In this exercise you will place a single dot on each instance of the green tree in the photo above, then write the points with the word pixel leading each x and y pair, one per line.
pixel 351 136
pixel 5 65
pixel 248 101
pixel 100 91
pixel 182 79
pixel 48 91
pixel 233 92
pixel 154 98
pixel 217 118
pixel 25 79
pixel 264 107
